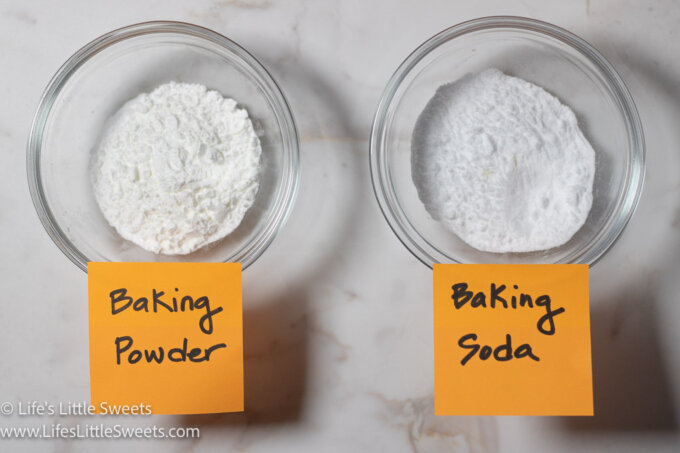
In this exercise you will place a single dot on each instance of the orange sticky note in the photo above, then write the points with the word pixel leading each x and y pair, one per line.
pixel 166 335
pixel 512 340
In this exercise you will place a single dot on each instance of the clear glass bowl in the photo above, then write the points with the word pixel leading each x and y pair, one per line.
pixel 95 82
pixel 545 55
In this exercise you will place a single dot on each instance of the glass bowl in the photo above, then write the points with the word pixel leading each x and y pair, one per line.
pixel 97 80
pixel 545 55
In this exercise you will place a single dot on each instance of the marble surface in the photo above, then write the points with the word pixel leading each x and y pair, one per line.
pixel 338 315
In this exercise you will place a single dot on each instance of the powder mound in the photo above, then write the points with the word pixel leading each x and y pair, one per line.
pixel 177 168
pixel 503 164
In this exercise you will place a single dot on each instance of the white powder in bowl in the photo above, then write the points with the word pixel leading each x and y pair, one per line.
pixel 177 168
pixel 503 164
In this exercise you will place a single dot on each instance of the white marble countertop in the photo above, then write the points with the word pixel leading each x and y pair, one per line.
pixel 338 314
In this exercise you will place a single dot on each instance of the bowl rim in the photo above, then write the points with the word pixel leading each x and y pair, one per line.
pixel 286 192
pixel 629 195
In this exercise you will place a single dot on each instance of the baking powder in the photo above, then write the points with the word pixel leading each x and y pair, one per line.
pixel 177 168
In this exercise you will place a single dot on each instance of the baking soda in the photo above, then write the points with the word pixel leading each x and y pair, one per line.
pixel 177 168
pixel 503 164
